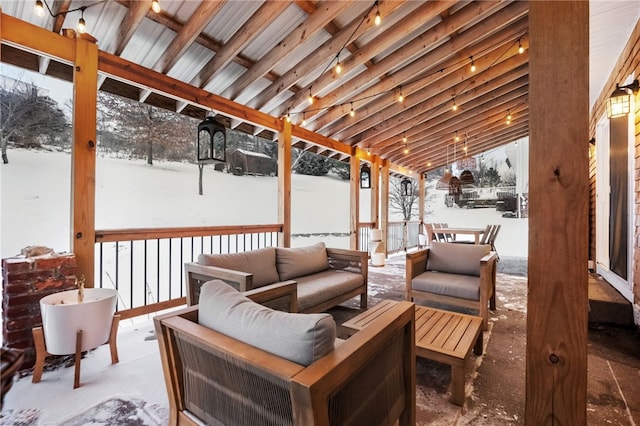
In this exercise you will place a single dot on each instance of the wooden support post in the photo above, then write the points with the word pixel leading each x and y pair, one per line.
pixel 375 191
pixel 384 204
pixel 83 157
pixel 284 183
pixel 354 200
pixel 421 199
pixel 556 364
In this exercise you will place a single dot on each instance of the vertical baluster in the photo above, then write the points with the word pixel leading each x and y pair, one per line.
pixel 131 272
pixel 145 273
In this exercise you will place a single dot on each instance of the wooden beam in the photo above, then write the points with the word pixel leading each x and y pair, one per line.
pixel 83 157
pixel 397 117
pixel 318 57
pixel 556 363
pixel 136 13
pixel 232 47
pixel 317 18
pixel 284 183
pixel 59 6
pixel 379 44
pixel 375 190
pixel 32 38
pixel 426 59
pixel 188 33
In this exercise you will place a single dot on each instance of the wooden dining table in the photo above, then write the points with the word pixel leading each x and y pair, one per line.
pixel 476 232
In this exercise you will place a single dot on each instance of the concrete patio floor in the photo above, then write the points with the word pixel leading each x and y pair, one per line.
pixel 495 385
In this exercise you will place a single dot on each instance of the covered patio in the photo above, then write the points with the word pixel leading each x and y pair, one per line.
pixel 423 52
pixel 134 390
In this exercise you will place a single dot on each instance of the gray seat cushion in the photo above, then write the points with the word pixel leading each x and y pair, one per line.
pixel 300 338
pixel 455 285
pixel 297 262
pixel 260 263
pixel 456 258
pixel 322 286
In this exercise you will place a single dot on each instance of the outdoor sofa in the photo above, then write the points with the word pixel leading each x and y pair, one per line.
pixel 458 275
pixel 229 360
pixel 315 277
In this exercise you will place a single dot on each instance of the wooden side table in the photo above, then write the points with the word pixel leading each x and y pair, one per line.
pixel 442 336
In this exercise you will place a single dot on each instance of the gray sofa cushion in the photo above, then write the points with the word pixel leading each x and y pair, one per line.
pixel 300 338
pixel 456 285
pixel 297 262
pixel 322 286
pixel 260 263
pixel 456 258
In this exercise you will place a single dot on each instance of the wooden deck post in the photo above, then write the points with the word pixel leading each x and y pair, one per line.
pixel 384 204
pixel 284 184
pixel 556 365
pixel 375 191
pixel 354 198
pixel 83 156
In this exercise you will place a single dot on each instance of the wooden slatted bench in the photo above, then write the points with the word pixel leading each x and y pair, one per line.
pixel 442 336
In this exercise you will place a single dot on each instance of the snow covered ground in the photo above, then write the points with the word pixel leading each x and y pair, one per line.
pixel 35 199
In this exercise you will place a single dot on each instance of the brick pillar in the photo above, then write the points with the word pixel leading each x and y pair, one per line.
pixel 26 280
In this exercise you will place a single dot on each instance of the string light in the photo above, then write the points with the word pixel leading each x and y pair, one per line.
pixel 520 48
pixel 310 97
pixel 406 149
pixel 155 6
pixel 508 117
pixel 304 119
pixel 82 25
pixel 288 117
pixel 404 137
pixel 378 18
pixel 39 8
pixel 455 106
pixel 352 113
pixel 456 138
pixel 338 66
pixel 473 64
pixel 400 96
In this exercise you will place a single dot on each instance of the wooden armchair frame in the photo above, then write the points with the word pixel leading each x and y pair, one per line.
pixel 312 389
pixel 416 264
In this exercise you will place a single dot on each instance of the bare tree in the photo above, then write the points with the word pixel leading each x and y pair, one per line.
pixel 28 117
pixel 403 204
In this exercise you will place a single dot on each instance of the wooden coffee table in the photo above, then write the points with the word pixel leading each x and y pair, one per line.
pixel 442 336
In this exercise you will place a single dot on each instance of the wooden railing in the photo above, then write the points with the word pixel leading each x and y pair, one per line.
pixel 400 235
pixel 146 266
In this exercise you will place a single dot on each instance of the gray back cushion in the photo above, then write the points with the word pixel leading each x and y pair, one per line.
pixel 260 263
pixel 301 261
pixel 300 338
pixel 456 258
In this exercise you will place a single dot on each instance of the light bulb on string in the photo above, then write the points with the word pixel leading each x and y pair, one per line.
pixel 473 64
pixel 404 137
pixel 378 18
pixel 455 106
pixel 406 149
pixel 352 113
pixel 338 66
pixel 520 48
pixel 288 117
pixel 508 117
pixel 456 138
pixel 39 8
pixel 82 25
pixel 155 6
pixel 310 97
pixel 304 119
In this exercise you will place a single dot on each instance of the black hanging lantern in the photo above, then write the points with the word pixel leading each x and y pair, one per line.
pixel 365 176
pixel 405 187
pixel 212 141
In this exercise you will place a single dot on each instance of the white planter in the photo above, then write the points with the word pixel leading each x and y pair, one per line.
pixel 63 316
